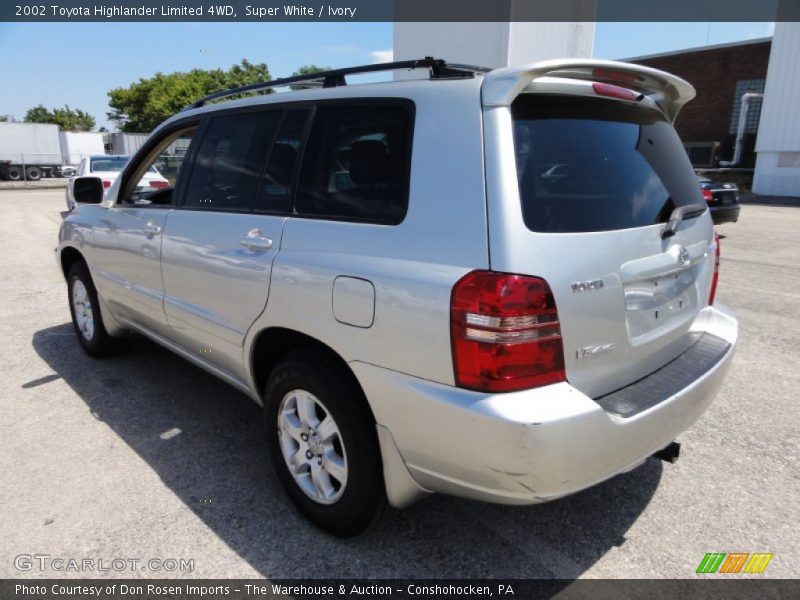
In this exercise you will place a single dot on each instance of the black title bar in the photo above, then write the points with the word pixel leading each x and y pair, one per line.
pixel 706 587
pixel 399 10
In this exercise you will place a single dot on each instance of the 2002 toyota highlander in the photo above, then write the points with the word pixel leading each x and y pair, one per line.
pixel 496 284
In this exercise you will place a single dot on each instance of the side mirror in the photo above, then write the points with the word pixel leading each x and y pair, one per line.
pixel 87 190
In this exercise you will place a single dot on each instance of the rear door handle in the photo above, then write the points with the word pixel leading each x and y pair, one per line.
pixel 255 241
pixel 152 229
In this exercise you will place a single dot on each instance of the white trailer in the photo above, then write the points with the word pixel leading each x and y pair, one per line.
pixel 126 144
pixel 76 145
pixel 29 150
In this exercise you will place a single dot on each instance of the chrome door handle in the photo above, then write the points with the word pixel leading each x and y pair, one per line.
pixel 152 229
pixel 255 241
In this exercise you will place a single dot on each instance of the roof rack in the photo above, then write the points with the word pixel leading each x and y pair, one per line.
pixel 437 68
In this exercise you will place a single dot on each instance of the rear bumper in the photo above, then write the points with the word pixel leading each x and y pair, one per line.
pixel 536 445
pixel 725 214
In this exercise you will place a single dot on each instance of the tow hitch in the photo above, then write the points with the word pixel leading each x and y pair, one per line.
pixel 670 453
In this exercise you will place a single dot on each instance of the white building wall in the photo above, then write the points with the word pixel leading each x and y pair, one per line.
pixel 778 143
pixel 493 44
pixel 530 42
pixel 483 44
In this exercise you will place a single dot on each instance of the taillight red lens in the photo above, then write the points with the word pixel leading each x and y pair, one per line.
pixel 159 185
pixel 505 333
pixel 106 184
pixel 708 195
pixel 715 277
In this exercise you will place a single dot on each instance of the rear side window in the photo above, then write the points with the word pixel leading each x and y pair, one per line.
pixel 356 164
pixel 230 160
pixel 587 164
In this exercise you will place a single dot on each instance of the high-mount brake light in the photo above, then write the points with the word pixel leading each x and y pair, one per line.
pixel 615 91
pixel 505 333
pixel 611 74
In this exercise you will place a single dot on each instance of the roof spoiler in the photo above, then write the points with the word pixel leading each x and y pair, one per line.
pixel 501 86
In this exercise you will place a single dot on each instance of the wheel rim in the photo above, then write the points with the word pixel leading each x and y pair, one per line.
pixel 312 446
pixel 82 306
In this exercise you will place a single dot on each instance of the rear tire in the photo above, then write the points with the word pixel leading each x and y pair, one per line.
pixel 85 309
pixel 33 173
pixel 14 173
pixel 317 419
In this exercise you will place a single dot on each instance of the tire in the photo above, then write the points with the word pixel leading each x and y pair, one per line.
pixel 85 310
pixel 348 451
pixel 14 173
pixel 33 173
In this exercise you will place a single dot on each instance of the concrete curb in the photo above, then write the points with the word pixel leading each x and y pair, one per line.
pixel 33 185
pixel 769 200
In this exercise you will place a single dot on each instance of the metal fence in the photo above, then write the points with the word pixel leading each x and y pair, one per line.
pixel 30 167
pixel 39 168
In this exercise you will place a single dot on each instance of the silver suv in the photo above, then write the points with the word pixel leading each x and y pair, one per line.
pixel 492 284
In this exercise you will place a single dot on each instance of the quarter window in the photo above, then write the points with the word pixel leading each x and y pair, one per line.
pixel 230 160
pixel 356 162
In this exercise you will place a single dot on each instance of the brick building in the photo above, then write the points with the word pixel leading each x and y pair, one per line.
pixel 720 74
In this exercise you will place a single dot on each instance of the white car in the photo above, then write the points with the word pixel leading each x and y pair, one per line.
pixel 108 167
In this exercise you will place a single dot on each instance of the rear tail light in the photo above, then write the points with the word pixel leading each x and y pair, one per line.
pixel 106 184
pixel 708 196
pixel 159 185
pixel 715 277
pixel 505 333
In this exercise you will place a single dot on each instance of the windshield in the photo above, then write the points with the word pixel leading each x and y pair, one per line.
pixel 589 164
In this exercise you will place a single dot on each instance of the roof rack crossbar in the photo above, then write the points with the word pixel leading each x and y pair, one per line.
pixel 437 67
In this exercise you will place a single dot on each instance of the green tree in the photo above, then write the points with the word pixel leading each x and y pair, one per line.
pixel 7 119
pixel 39 114
pixel 67 118
pixel 141 106
pixel 307 70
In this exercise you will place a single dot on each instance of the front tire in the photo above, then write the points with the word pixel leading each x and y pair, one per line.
pixel 323 443
pixel 85 309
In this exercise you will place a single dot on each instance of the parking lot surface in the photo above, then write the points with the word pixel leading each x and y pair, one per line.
pixel 145 456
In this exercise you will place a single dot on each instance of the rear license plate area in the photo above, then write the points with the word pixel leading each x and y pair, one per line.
pixel 655 304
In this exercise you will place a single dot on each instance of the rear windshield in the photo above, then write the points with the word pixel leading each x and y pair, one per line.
pixel 113 164
pixel 590 164
pixel 109 163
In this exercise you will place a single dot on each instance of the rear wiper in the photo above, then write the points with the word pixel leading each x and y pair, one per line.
pixel 678 215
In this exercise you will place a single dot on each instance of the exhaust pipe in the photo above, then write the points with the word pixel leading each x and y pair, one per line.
pixel 670 453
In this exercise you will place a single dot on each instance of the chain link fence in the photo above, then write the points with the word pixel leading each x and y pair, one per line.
pixel 38 168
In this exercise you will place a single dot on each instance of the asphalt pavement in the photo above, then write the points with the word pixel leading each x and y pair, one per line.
pixel 145 456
